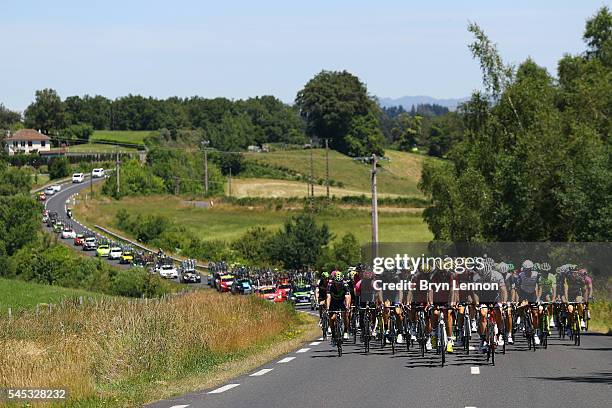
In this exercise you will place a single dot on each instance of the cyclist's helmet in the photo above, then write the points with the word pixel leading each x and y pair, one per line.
pixel 485 272
pixel 325 275
pixel 527 265
pixel 352 274
pixel 503 267
pixel 545 267
pixel 337 276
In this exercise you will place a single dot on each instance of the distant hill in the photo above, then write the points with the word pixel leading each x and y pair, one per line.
pixel 408 101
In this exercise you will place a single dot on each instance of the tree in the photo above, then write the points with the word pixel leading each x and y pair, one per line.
pixel 299 243
pixel 46 113
pixel 77 133
pixel 406 131
pixel 253 245
pixel 533 164
pixel 598 35
pixel 364 137
pixel 332 104
pixel 8 117
pixel 19 222
pixel 59 167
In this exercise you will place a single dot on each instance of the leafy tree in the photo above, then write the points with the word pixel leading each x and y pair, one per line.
pixel 135 179
pixel 8 117
pixel 406 131
pixel 93 110
pixel 46 112
pixel 299 243
pixel 598 35
pixel 253 245
pixel 533 164
pixel 77 133
pixel 334 105
pixel 19 222
pixel 59 167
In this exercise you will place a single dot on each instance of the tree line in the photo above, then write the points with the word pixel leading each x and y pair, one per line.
pixel 534 163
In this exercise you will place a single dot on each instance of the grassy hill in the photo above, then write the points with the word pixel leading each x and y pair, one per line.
pixel 120 136
pixel 399 176
pixel 20 295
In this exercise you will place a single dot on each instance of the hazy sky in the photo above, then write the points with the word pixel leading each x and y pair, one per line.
pixel 245 48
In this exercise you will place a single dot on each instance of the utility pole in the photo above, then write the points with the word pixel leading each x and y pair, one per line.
pixel 374 209
pixel 229 182
pixel 204 146
pixel 327 167
pixel 117 167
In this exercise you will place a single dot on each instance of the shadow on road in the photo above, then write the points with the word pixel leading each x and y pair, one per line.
pixel 593 378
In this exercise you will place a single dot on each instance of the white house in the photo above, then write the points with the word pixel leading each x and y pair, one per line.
pixel 27 141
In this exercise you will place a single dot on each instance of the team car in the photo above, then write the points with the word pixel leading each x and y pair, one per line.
pixel 90 244
pixel 68 233
pixel 242 287
pixel 126 257
pixel 103 250
pixel 267 293
pixel 300 295
pixel 189 273
pixel 115 253
pixel 168 271
pixel 225 283
pixel 79 239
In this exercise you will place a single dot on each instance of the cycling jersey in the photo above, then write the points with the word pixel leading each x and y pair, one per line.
pixel 575 285
pixel 527 283
pixel 323 283
pixel 492 295
pixel 442 295
pixel 418 295
pixel 337 291
pixel 547 283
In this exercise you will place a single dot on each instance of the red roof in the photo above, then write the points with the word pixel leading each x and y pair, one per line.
pixel 27 134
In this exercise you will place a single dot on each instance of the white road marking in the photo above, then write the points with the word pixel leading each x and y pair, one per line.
pixel 470 407
pixel 315 343
pixel 261 372
pixel 303 350
pixel 179 406
pixel 475 370
pixel 320 339
pixel 224 388
pixel 286 360
pixel 472 348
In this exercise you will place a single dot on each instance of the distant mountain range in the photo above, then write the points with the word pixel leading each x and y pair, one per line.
pixel 408 101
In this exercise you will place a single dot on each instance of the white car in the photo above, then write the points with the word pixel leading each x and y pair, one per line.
pixel 68 233
pixel 78 177
pixel 49 191
pixel 168 272
pixel 97 173
pixel 115 253
pixel 56 187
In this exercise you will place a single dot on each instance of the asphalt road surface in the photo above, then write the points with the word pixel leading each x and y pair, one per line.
pixel 58 203
pixel 313 376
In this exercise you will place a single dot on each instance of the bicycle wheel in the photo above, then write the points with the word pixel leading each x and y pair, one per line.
pixel 324 324
pixel 467 333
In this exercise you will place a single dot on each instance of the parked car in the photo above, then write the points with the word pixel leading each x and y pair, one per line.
pixel 79 240
pixel 242 287
pixel 115 253
pixel 97 173
pixel 90 244
pixel 49 191
pixel 126 257
pixel 300 295
pixel 225 283
pixel 168 272
pixel 78 177
pixel 103 250
pixel 56 187
pixel 68 233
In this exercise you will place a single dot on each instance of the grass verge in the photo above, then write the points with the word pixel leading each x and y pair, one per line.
pixel 20 295
pixel 124 353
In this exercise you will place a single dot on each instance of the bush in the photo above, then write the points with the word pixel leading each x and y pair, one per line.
pixel 59 167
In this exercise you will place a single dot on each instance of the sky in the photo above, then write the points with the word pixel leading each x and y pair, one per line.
pixel 242 48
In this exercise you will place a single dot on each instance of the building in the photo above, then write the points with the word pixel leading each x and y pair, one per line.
pixel 27 141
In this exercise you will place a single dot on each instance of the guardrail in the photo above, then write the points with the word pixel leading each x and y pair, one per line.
pixel 138 245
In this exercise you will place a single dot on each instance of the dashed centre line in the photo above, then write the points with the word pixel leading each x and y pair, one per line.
pixel 315 343
pixel 303 350
pixel 179 406
pixel 224 388
pixel 286 360
pixel 475 370
pixel 261 372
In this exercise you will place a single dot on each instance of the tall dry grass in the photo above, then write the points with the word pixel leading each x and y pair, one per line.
pixel 98 349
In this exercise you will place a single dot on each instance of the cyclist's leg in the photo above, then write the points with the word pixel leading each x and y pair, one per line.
pixel 399 312
pixel 482 328
pixel 449 329
pixel 509 325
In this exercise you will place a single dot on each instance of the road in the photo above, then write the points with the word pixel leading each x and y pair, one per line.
pixel 313 376
pixel 58 203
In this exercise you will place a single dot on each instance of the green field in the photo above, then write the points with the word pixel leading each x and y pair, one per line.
pixel 100 148
pixel 226 222
pixel 120 136
pixel 20 295
pixel 400 175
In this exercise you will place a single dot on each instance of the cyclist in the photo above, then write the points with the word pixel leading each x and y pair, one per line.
pixel 575 288
pixel 464 296
pixel 527 288
pixel 443 297
pixel 420 297
pixel 321 293
pixel 497 295
pixel 391 300
pixel 339 299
